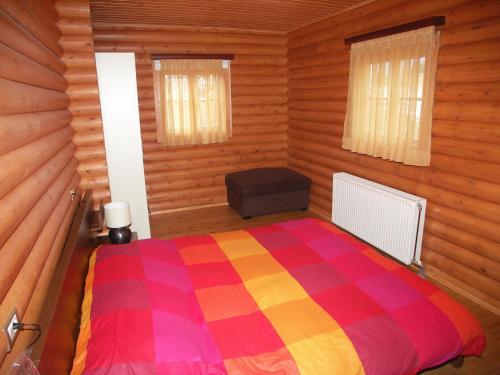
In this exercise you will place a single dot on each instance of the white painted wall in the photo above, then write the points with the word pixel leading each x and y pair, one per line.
pixel 122 136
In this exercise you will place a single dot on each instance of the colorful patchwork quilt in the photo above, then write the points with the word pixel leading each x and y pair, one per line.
pixel 298 297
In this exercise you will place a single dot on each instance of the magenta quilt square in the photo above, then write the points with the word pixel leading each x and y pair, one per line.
pixel 389 291
pixel 293 224
pixel 245 335
pixel 189 241
pixel 310 232
pixel 164 251
pixel 348 304
pixel 116 268
pixel 193 367
pixel 177 339
pixel 176 301
pixel 382 346
pixel 296 256
pixel 111 297
pixel 166 273
pixel 316 278
pixel 206 275
pixel 356 266
pixel 332 246
pixel 276 240
pixel 420 321
pixel 130 339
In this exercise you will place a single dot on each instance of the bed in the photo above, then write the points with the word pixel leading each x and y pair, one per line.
pixel 297 297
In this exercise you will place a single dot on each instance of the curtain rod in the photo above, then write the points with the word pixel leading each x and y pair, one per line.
pixel 431 21
pixel 176 56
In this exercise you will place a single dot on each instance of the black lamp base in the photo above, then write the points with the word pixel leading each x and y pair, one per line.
pixel 119 235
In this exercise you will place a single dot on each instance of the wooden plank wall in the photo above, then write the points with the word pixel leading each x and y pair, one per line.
pixel 78 47
pixel 462 230
pixel 37 160
pixel 178 177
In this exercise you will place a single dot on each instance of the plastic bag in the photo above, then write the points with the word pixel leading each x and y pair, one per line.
pixel 24 365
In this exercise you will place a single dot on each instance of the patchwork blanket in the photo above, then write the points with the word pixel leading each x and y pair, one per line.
pixel 298 297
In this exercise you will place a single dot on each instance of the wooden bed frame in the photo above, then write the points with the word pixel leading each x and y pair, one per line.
pixel 63 305
pixel 62 310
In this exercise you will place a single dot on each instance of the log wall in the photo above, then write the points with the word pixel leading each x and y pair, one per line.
pixel 186 176
pixel 78 47
pixel 38 167
pixel 462 230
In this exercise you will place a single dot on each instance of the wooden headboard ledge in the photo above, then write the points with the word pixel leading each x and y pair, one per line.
pixel 63 305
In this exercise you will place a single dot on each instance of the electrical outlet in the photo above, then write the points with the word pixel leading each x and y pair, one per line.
pixel 8 329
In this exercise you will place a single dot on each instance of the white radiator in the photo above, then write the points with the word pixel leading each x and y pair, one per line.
pixel 386 218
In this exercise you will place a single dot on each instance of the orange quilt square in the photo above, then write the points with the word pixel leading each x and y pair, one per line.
pixel 225 301
pixel 254 266
pixel 277 362
pixel 298 320
pixel 210 253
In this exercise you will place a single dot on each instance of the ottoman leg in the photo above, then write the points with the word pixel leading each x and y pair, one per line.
pixel 247 217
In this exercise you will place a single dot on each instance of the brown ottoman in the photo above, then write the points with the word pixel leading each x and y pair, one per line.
pixel 267 190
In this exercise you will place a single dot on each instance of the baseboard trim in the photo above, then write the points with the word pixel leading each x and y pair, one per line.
pixel 188 208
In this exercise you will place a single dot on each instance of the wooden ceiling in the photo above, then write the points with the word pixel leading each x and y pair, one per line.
pixel 272 15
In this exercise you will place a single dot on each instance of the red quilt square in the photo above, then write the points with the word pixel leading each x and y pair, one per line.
pixel 213 274
pixel 245 335
pixel 118 268
pixel 296 256
pixel 416 282
pixel 356 266
pixel 130 339
pixel 348 304
pixel 183 242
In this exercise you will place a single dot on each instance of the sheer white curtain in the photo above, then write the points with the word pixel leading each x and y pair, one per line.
pixel 391 95
pixel 192 101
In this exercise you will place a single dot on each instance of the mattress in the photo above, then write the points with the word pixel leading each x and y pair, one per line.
pixel 297 297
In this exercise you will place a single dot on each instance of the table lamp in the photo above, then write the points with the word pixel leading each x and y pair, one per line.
pixel 118 221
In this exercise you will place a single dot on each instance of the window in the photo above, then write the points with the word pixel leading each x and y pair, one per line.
pixel 192 101
pixel 391 94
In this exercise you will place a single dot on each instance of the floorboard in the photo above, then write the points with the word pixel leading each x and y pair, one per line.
pixel 223 218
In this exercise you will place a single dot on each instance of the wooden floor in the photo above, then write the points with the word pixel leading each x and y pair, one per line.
pixel 223 218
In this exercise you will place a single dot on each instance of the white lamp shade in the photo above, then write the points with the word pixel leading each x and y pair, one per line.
pixel 117 214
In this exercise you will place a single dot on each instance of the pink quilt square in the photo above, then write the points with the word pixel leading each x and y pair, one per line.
pixel 167 273
pixel 316 278
pixel 213 274
pixel 177 339
pixel 420 321
pixel 389 291
pixel 129 339
pixel 293 224
pixel 176 301
pixel 348 304
pixel 356 266
pixel 296 256
pixel 116 268
pixel 245 335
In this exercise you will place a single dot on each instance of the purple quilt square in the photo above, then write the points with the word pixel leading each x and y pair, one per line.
pixel 433 335
pixel 316 278
pixel 176 301
pixel 206 275
pixel 110 297
pixel 167 273
pixel 178 339
pixel 382 346
pixel 255 231
pixel 276 240
pixel 348 304
pixel 296 256
pixel 245 335
pixel 389 291
pixel 164 251
pixel 356 266
pixel 107 251
pixel 331 246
